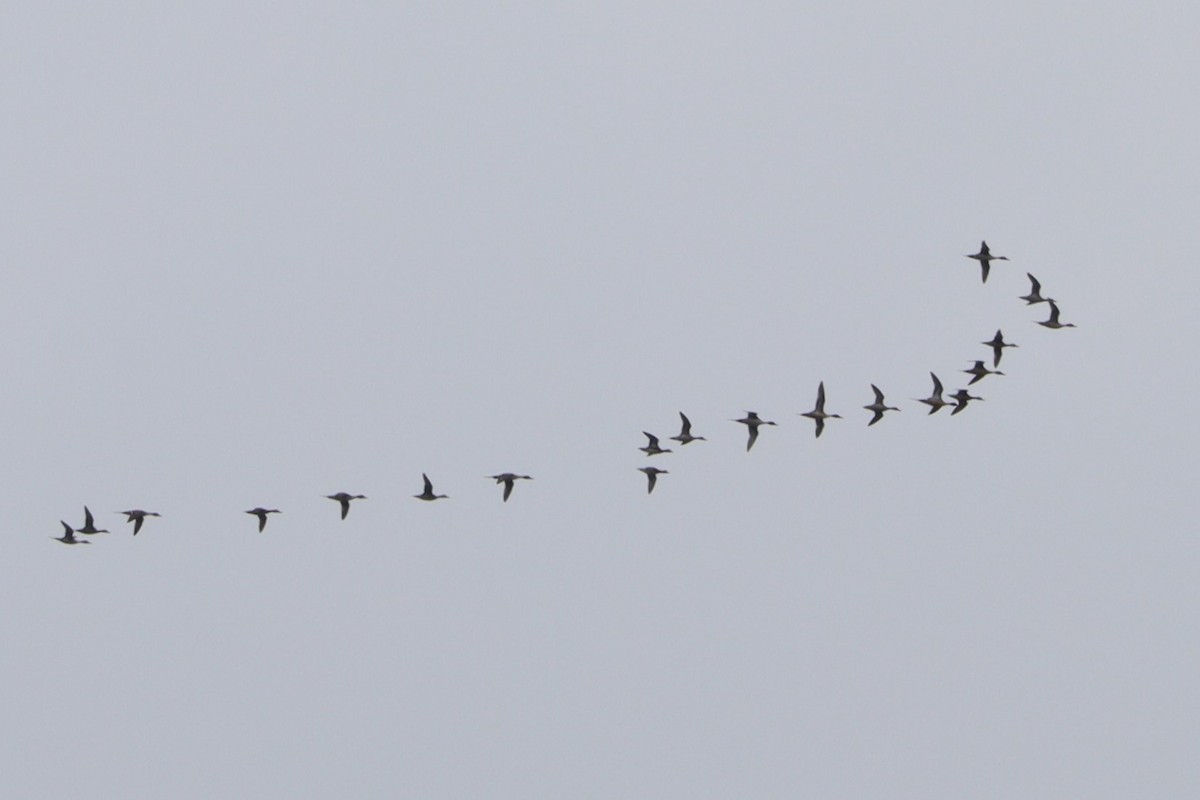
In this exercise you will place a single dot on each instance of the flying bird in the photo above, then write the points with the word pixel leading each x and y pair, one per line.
pixel 137 517
pixel 1053 321
pixel 961 398
pixel 652 474
pixel 261 513
pixel 980 372
pixel 344 500
pixel 89 524
pixel 507 479
pixel 428 493
pixel 685 434
pixel 68 536
pixel 998 344
pixel 818 414
pixel 752 422
pixel 652 449
pixel 985 259
pixel 1035 293
pixel 878 406
pixel 935 401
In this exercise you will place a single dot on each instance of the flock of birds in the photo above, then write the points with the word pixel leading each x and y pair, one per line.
pixel 936 401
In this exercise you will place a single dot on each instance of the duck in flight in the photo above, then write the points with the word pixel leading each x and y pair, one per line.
pixel 818 414
pixel 985 259
pixel 961 398
pixel 979 371
pixel 344 499
pixel 998 344
pixel 137 517
pixel 878 406
pixel 752 422
pixel 507 479
pixel 261 513
pixel 652 474
pixel 685 434
pixel 428 493
pixel 1035 292
pixel 89 524
pixel 935 401
pixel 652 449
pixel 1053 321
pixel 68 536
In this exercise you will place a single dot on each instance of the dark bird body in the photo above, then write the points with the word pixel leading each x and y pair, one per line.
pixel 652 449
pixel 428 493
pixel 685 433
pixel 998 344
pixel 507 479
pixel 961 398
pixel 979 371
pixel 935 401
pixel 68 536
pixel 89 524
pixel 878 407
pixel 652 474
pixel 137 517
pixel 818 414
pixel 261 513
pixel 1053 321
pixel 985 259
pixel 344 499
pixel 752 422
pixel 1035 292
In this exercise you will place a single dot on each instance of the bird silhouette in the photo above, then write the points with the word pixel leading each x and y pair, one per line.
pixel 261 513
pixel 344 499
pixel 428 493
pixel 507 479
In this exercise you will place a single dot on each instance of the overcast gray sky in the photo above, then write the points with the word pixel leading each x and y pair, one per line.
pixel 259 253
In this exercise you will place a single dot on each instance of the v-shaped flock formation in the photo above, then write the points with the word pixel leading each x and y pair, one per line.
pixel 878 408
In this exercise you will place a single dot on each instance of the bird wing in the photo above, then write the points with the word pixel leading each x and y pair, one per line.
pixel 753 437
pixel 878 394
pixel 687 424
pixel 137 524
pixel 87 519
pixel 878 416
pixel 821 396
pixel 937 386
pixel 508 484
pixel 652 478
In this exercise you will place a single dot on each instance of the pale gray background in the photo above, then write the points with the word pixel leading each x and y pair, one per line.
pixel 259 253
